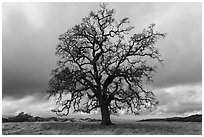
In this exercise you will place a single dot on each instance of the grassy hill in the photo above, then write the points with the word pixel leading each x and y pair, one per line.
pixel 25 124
pixel 192 118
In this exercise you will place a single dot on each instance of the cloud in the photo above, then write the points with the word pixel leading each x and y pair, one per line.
pixel 179 100
pixel 29 38
pixel 182 48
pixel 30 32
pixel 182 99
pixel 28 52
pixel 34 105
pixel 32 12
pixel 29 42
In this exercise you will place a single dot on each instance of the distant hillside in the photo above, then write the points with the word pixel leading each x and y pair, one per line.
pixel 23 117
pixel 192 118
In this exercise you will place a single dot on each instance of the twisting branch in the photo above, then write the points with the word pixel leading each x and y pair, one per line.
pixel 101 65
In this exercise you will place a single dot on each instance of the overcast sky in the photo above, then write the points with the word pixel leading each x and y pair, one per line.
pixel 30 34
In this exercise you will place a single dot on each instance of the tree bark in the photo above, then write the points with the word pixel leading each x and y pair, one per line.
pixel 105 115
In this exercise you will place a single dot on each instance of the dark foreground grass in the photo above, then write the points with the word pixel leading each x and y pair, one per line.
pixel 94 128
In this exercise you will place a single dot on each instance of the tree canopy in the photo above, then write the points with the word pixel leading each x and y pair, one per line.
pixel 103 66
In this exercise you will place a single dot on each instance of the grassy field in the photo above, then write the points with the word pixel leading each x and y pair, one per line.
pixel 94 128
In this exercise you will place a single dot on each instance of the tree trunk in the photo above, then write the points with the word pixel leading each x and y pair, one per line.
pixel 105 115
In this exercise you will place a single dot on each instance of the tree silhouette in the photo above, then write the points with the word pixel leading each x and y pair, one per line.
pixel 101 66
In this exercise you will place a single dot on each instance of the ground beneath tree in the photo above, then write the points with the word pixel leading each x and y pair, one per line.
pixel 94 128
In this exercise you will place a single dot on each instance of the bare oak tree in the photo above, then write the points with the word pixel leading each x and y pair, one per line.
pixel 101 66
